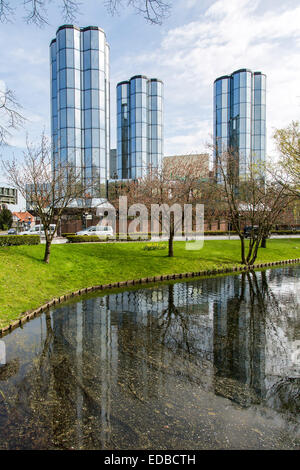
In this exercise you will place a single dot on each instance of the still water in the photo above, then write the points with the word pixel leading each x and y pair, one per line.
pixel 204 364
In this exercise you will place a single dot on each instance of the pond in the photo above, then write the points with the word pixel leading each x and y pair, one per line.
pixel 204 364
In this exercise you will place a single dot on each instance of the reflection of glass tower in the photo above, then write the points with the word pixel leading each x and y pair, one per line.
pixel 80 101
pixel 139 126
pixel 240 116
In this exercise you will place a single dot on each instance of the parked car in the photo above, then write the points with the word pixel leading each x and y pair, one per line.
pixel 249 230
pixel 12 231
pixel 38 230
pixel 98 230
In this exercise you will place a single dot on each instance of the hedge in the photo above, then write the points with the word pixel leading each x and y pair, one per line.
pixel 85 238
pixel 66 235
pixel 13 240
pixel 286 232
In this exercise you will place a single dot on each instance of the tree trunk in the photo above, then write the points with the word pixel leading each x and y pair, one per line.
pixel 263 243
pixel 243 250
pixel 171 236
pixel 171 252
pixel 47 251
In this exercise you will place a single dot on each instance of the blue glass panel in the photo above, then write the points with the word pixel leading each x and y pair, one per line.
pixel 87 59
pixel 153 88
pixel 69 37
pixel 95 99
pixel 62 39
pixel 236 80
pixel 87 79
pixel 119 92
pixel 70 117
pixel 63 78
pixel 257 81
pixel 63 118
pixel 257 97
pixel 236 96
pixel 243 79
pixel 218 86
pixel 86 40
pixel 95 118
pixel 95 60
pixel 219 101
pixel 70 57
pixel 70 78
pixel 87 138
pixel 94 39
pixel 138 85
pixel 95 138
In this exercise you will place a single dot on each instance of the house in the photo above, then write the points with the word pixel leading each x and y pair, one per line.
pixel 23 220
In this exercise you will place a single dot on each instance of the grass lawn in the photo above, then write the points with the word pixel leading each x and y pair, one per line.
pixel 26 282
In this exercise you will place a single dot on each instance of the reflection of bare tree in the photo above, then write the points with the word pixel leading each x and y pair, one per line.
pixel 253 317
pixel 171 321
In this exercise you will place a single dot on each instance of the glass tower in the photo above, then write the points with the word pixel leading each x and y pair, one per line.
pixel 240 117
pixel 80 114
pixel 139 126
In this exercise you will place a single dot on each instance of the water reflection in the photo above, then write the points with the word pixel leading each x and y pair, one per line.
pixel 203 364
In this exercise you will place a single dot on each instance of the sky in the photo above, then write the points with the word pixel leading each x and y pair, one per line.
pixel 199 41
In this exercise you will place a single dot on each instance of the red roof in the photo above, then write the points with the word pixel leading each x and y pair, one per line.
pixel 23 216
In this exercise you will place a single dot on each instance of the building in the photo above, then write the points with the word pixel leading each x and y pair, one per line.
pixel 80 105
pixel 240 117
pixel 8 196
pixel 23 220
pixel 139 126
pixel 199 161
pixel 113 167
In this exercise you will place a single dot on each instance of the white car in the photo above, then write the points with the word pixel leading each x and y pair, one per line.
pixel 98 230
pixel 38 230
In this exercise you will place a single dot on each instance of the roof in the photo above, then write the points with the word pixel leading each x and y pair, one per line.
pixel 23 216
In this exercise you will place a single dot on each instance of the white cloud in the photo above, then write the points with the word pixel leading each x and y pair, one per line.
pixel 229 36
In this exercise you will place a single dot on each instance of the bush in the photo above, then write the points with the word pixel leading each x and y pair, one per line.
pixel 286 232
pixel 66 235
pixel 85 238
pixel 154 246
pixel 13 240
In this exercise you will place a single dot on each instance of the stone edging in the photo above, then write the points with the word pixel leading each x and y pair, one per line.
pixel 167 277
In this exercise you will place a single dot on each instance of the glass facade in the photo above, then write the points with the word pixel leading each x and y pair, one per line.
pixel 80 106
pixel 139 126
pixel 240 117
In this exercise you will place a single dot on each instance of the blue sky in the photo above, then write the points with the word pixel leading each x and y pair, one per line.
pixel 201 40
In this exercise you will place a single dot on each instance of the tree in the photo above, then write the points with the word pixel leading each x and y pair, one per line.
pixel 6 219
pixel 258 200
pixel 288 143
pixel 164 192
pixel 10 116
pixel 154 11
pixel 48 189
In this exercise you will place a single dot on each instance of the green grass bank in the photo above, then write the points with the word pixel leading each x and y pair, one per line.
pixel 26 282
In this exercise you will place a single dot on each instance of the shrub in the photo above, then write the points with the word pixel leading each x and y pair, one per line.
pixel 154 246
pixel 85 238
pixel 66 235
pixel 286 232
pixel 13 240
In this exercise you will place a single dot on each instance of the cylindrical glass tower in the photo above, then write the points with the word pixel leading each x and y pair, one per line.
pixel 139 126
pixel 80 102
pixel 240 117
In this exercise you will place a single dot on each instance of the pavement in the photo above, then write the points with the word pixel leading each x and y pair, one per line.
pixel 61 240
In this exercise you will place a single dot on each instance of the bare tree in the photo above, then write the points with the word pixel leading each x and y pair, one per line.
pixel 259 200
pixel 164 192
pixel 48 190
pixel 10 116
pixel 288 144
pixel 154 11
